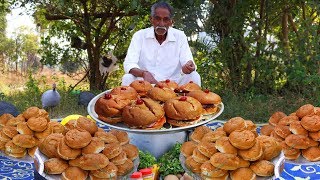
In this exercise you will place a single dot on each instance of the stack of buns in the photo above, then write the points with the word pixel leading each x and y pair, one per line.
pixel 87 151
pixel 181 105
pixel 234 150
pixel 298 132
pixel 21 135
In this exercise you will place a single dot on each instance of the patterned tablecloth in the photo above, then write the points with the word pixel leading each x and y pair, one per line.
pixel 11 168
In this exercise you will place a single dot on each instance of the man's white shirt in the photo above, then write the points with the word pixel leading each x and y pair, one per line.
pixel 164 60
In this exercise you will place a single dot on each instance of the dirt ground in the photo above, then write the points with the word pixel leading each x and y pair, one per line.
pixel 16 81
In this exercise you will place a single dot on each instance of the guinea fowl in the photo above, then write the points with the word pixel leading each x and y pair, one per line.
pixel 8 108
pixel 85 97
pixel 50 98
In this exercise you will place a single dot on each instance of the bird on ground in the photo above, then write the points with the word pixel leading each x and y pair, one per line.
pixel 8 108
pixel 85 97
pixel 50 98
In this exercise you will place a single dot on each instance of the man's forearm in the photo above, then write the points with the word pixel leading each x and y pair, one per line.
pixel 137 72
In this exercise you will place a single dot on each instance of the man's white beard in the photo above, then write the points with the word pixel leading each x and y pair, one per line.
pixel 163 30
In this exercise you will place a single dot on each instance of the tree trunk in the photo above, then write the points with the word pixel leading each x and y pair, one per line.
pixel 285 32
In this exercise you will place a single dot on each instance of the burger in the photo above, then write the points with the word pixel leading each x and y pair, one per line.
pixel 144 113
pixel 183 111
pixel 188 87
pixel 141 86
pixel 125 92
pixel 161 94
pixel 209 100
pixel 109 107
pixel 168 84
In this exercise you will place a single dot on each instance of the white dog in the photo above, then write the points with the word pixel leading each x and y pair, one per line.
pixel 107 64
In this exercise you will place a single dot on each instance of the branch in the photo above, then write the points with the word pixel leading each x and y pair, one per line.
pixel 79 81
pixel 294 28
pixel 54 17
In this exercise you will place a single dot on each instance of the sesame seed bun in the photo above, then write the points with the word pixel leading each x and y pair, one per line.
pixel 55 166
pixel 161 94
pixel 141 86
pixel 90 161
pixel 65 152
pixel 183 108
pixel 225 161
pixel 242 139
pixel 77 138
pixel 131 150
pixel 24 140
pixel 73 172
pixel 142 114
pixel 263 168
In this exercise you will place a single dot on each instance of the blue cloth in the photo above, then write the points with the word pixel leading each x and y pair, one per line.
pixel 296 171
pixel 15 169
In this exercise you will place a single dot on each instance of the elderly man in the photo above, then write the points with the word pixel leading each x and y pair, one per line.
pixel 160 52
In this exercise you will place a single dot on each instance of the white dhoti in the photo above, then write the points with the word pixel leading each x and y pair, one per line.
pixel 127 79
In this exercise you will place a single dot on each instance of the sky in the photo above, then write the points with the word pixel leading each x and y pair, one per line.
pixel 14 21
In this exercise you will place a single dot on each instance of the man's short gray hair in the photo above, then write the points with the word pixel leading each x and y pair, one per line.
pixel 161 4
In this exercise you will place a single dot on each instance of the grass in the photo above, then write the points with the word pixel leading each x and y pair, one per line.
pixel 255 107
pixel 259 108
pixel 68 105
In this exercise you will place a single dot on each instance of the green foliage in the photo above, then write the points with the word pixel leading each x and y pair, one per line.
pixel 32 86
pixel 170 163
pixel 114 78
pixel 146 160
pixel 2 96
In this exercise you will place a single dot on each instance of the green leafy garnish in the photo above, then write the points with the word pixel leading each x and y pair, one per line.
pixel 146 160
pixel 170 163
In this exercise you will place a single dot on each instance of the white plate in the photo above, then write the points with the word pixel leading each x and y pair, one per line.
pixel 40 158
pixel 122 126
pixel 197 177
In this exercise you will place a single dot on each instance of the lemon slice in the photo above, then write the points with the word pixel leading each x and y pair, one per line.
pixel 70 117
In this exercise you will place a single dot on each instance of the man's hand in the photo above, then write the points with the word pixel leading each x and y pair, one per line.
pixel 188 68
pixel 147 76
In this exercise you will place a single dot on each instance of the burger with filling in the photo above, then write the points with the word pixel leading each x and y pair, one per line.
pixel 188 87
pixel 209 100
pixel 144 113
pixel 183 111
pixel 141 86
pixel 168 84
pixel 109 107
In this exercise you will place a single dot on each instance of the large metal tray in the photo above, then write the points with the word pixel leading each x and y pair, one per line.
pixel 121 126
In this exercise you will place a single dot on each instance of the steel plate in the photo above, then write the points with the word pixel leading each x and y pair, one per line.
pixel 121 126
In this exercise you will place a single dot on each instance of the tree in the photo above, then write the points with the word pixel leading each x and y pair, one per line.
pixel 101 25
pixel 3 24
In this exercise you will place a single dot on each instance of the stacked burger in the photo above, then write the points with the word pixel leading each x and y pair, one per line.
pixel 22 134
pixel 88 151
pixel 145 107
pixel 233 150
pixel 298 132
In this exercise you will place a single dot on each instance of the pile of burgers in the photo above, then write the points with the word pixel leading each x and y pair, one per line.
pixel 22 134
pixel 144 106
pixel 234 150
pixel 78 150
pixel 298 132
pixel 85 150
